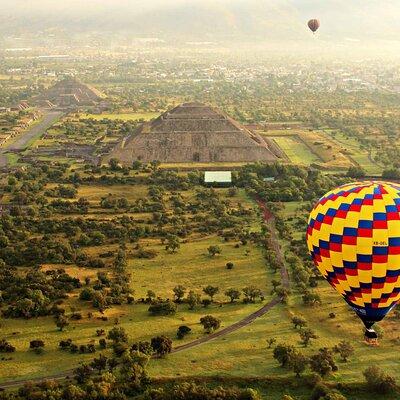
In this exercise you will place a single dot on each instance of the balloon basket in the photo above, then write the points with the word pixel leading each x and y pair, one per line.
pixel 371 342
pixel 371 338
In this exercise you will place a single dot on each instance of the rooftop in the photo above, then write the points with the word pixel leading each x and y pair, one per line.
pixel 218 176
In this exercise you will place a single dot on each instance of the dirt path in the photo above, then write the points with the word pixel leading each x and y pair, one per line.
pixel 229 329
pixel 270 221
pixel 274 242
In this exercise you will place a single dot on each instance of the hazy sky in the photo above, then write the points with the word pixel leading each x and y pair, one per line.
pixel 205 19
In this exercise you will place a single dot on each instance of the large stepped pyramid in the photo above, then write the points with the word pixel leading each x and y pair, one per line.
pixel 69 92
pixel 193 132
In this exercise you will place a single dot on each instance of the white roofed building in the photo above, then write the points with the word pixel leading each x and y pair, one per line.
pixel 218 178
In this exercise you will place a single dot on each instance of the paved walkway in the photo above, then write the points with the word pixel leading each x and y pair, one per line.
pixel 22 141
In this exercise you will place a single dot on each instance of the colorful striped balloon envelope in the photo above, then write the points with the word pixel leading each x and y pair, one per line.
pixel 353 236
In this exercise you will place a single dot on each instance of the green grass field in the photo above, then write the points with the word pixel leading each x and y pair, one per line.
pixel 12 159
pixel 191 266
pixel 360 156
pixel 296 150
pixel 94 193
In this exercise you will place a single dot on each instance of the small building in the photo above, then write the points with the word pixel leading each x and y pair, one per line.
pixel 218 178
pixel 269 179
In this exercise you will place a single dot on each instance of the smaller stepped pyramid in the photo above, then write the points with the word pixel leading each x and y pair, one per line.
pixel 69 92
pixel 193 132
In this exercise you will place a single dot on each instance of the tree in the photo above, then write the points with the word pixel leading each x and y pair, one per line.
pixel 299 322
pixel 83 373
pixel 99 363
pixel 120 262
pixel 118 334
pixel 391 173
pixel 232 191
pixel 161 345
pixel 275 285
pixel 206 302
pixel 251 293
pixel 86 294
pixel 163 308
pixel 143 347
pixel 193 391
pixel 122 203
pixel 6 347
pixel 283 294
pixel 61 322
pixel 151 295
pixel 155 164
pixel 283 353
pixel 114 164
pixel 229 265
pixel 179 293
pixel 119 348
pixel 355 172
pixel 193 299
pixel 320 391
pixel 233 294
pixel 210 323
pixel 211 291
pixel 298 363
pixel 97 238
pixel 271 341
pixel 136 165
pixel 37 346
pixel 345 349
pixel 378 381
pixel 99 300
pixel 183 330
pixel 323 363
pixel 306 335
pixel 133 374
pixel 214 250
pixel 311 299
pixel 172 243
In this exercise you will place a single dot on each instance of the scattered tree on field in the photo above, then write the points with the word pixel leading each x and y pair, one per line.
pixel 378 381
pixel 210 323
pixel 233 294
pixel 161 345
pixel 214 250
pixel 345 349
pixel 306 335
pixel 211 291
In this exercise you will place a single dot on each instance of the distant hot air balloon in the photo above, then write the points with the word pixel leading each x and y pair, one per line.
pixel 314 24
pixel 353 236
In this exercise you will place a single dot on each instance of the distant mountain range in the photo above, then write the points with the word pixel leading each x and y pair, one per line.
pixel 208 19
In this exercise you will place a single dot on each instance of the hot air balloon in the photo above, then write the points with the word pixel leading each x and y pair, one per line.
pixel 314 24
pixel 353 236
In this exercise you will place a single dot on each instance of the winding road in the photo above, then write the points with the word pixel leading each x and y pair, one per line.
pixel 274 243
